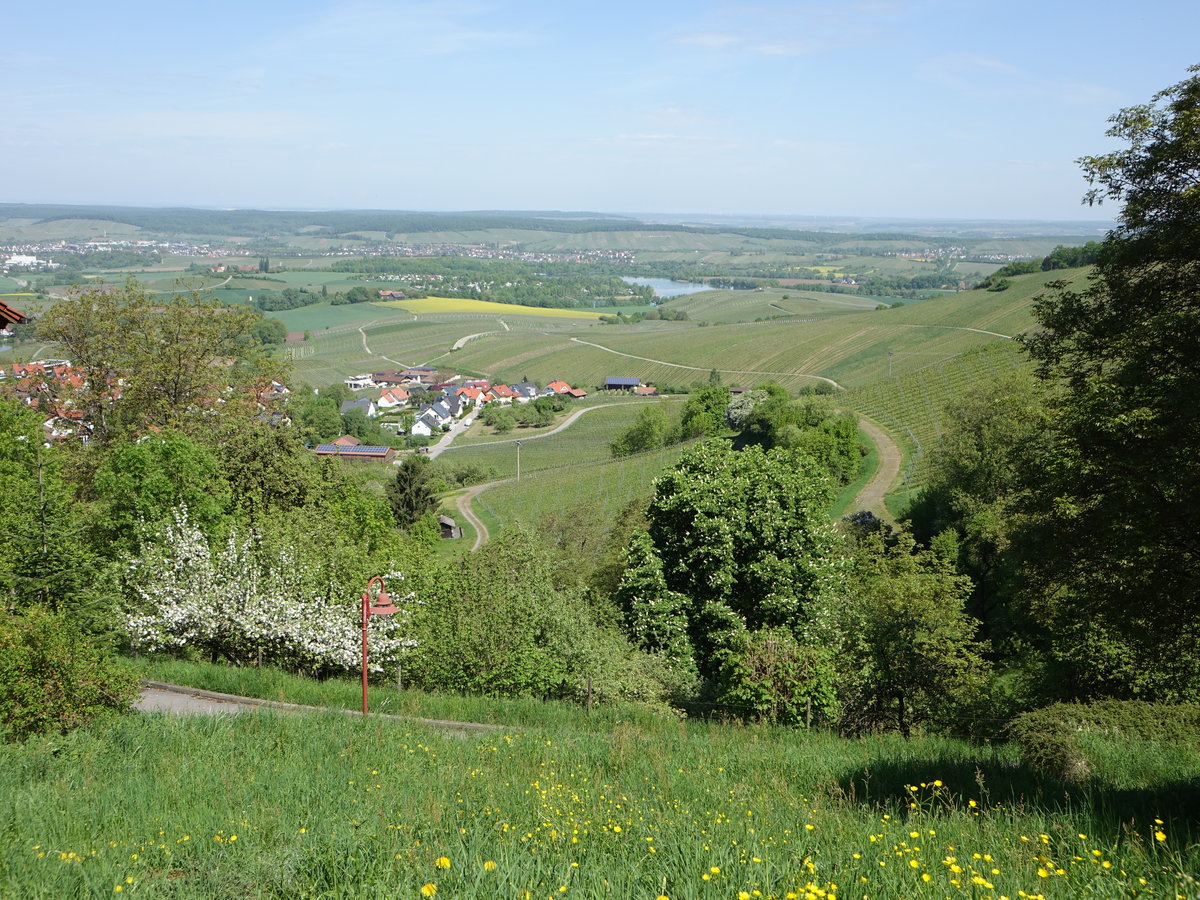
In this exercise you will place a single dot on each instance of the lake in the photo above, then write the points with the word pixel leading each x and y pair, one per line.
pixel 666 288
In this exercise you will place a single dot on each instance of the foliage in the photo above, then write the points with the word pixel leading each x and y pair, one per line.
pixel 142 483
pixel 650 431
pixel 1049 737
pixel 745 536
pixel 410 492
pixel 809 424
pixel 995 442
pixel 51 679
pixel 655 616
pixel 907 649
pixel 499 625
pixel 1119 567
pixel 768 676
pixel 42 554
pixel 247 598
pixel 191 355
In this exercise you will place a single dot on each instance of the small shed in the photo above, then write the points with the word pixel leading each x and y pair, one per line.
pixel 620 383
pixel 450 529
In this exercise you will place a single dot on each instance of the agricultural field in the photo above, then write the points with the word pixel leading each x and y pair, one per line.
pixel 584 443
pixel 910 406
pixel 727 306
pixel 441 305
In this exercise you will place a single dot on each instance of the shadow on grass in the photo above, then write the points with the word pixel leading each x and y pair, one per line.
pixel 994 784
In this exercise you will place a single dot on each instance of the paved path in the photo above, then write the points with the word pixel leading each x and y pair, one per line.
pixel 177 699
pixel 871 496
pixel 702 369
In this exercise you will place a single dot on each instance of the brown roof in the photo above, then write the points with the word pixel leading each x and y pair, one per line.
pixel 10 316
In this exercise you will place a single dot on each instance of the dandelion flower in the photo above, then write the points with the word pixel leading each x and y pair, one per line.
pixel 428 889
pixel 442 862
pixel 1160 836
pixel 489 865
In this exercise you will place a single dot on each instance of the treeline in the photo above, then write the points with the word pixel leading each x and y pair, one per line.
pixel 502 281
pixel 1059 258
pixel 294 298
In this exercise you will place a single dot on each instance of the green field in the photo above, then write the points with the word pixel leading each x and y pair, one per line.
pixel 270 805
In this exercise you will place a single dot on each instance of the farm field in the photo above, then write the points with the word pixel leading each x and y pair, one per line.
pixel 910 405
pixel 768 303
pixel 437 305
pixel 585 442
pixel 590 808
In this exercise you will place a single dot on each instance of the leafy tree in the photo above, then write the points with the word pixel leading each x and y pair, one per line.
pixel 907 649
pixel 1121 528
pixel 141 483
pixel 410 493
pixel 769 676
pixel 649 431
pixel 994 446
pixel 704 412
pixel 745 536
pixel 157 361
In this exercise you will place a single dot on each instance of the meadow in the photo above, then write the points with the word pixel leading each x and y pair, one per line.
pixel 270 804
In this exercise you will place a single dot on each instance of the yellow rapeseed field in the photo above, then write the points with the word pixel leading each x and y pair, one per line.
pixel 434 305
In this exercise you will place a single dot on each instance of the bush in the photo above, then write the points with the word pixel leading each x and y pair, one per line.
pixel 1049 737
pixel 52 679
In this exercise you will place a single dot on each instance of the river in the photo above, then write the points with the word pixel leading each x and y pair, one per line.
pixel 665 288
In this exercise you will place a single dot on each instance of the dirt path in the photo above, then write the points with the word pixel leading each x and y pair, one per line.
pixel 701 369
pixel 463 502
pixel 157 696
pixel 370 352
pixel 871 496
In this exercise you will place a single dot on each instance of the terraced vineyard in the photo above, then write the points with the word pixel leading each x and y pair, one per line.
pixel 910 406
pixel 601 486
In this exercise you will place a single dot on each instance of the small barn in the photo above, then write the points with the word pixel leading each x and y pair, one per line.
pixel 620 383
pixel 450 529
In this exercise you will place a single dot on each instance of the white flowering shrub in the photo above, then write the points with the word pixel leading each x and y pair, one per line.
pixel 233 600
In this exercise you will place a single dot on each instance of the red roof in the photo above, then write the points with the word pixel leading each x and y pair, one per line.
pixel 559 387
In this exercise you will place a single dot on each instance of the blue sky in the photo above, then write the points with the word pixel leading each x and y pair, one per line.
pixel 889 108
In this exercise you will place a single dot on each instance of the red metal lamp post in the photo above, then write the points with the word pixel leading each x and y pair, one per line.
pixel 382 606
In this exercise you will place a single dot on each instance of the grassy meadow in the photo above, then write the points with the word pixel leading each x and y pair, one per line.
pixel 271 804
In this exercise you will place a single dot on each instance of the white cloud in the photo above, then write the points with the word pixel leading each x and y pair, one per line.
pixel 794 29
pixel 985 78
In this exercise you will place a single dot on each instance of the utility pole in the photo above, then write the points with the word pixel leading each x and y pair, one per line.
pixel 518 443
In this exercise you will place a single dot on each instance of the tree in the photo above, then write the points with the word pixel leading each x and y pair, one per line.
pixel 907 651
pixel 410 493
pixel 745 536
pixel 648 432
pixel 157 361
pixel 1120 531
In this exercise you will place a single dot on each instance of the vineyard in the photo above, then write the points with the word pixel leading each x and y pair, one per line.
pixel 910 406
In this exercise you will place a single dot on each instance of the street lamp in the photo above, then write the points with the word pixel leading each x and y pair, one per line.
pixel 382 606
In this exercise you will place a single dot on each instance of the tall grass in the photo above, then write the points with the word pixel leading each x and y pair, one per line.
pixel 274 805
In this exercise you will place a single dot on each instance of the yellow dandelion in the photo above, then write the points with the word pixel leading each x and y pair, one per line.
pixel 489 865
pixel 716 870
pixel 743 895
pixel 442 862
pixel 428 889
pixel 1160 836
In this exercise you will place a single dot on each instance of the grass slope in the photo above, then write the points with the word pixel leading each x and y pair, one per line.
pixel 271 805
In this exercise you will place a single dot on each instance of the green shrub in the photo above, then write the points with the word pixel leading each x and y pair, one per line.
pixel 1049 737
pixel 52 679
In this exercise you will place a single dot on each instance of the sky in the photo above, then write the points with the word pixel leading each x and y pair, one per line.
pixel 873 108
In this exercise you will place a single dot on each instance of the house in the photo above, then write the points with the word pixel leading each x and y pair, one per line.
pixel 503 393
pixel 366 404
pixel 347 440
pixel 524 391
pixel 621 383
pixel 391 398
pixel 577 393
pixel 358 382
pixel 646 390
pixel 10 316
pixel 425 425
pixel 559 387
pixel 388 378
pixel 450 529
pixel 357 452
pixel 470 396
